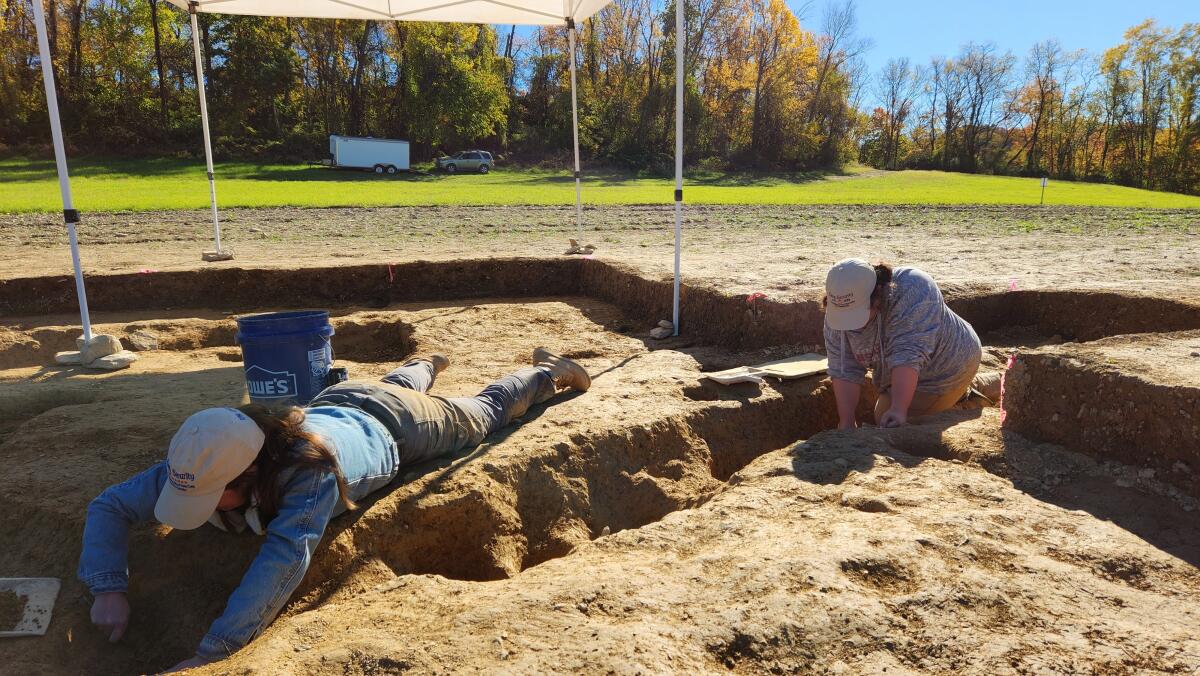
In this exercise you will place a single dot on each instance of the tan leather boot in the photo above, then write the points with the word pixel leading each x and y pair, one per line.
pixel 566 372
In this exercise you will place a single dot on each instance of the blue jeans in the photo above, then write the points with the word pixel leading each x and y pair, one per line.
pixel 427 426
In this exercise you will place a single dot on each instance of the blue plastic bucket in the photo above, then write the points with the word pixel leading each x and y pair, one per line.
pixel 286 355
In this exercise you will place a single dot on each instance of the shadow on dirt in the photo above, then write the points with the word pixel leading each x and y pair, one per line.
pixel 1043 471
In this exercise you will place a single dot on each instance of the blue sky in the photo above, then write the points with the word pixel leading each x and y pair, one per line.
pixel 920 29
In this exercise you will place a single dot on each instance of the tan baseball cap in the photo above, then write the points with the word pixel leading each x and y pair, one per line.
pixel 848 288
pixel 212 448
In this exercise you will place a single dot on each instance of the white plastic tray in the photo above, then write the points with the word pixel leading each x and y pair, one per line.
pixel 39 593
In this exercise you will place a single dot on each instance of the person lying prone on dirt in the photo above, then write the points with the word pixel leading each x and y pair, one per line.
pixel 923 357
pixel 286 472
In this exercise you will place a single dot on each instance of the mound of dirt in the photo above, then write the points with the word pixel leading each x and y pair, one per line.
pixel 12 609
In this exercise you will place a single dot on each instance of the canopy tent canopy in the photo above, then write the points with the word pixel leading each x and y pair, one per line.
pixel 528 12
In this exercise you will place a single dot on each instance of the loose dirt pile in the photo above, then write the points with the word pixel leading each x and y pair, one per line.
pixel 12 609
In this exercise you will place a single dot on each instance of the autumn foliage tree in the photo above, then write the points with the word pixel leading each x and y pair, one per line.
pixel 1130 115
pixel 762 90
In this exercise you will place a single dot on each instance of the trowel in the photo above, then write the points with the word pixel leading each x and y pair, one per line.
pixel 39 595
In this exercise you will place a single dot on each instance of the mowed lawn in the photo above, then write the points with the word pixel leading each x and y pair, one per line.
pixel 144 185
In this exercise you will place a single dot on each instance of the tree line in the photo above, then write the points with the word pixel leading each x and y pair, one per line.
pixel 762 91
pixel 1130 115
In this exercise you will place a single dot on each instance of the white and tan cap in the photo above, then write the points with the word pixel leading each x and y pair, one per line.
pixel 212 448
pixel 848 288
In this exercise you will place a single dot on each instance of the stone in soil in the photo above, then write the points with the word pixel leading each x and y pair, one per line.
pixel 113 362
pixel 101 345
pixel 140 341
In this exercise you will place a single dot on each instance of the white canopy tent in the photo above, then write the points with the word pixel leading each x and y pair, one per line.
pixel 528 12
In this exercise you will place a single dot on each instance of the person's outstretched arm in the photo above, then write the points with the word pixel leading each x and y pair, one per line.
pixel 308 500
pixel 104 561
pixel 904 386
pixel 848 376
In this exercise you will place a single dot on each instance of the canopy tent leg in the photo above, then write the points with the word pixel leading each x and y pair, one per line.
pixel 575 126
pixel 219 253
pixel 679 44
pixel 70 215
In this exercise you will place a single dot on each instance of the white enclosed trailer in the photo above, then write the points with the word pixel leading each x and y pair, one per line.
pixel 381 155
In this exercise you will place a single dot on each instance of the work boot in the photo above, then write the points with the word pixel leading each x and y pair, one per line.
pixel 988 385
pixel 440 362
pixel 566 372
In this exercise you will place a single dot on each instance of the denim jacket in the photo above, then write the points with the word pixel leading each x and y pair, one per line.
pixel 309 498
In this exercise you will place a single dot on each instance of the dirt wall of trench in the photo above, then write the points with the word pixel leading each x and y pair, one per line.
pixel 238 289
pixel 1104 412
pixel 708 316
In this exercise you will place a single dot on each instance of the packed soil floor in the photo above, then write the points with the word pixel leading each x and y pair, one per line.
pixel 658 523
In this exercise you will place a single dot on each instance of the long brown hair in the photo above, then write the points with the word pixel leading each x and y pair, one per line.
pixel 287 445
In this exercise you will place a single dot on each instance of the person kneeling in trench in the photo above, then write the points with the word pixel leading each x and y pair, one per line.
pixel 923 357
pixel 285 473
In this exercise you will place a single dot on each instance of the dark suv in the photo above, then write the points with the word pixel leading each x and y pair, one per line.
pixel 467 160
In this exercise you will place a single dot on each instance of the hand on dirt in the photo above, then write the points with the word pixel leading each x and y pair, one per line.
pixel 190 663
pixel 110 612
pixel 893 418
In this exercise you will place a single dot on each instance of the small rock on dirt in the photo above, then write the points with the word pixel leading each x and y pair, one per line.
pixel 212 256
pixel 68 358
pixel 113 362
pixel 140 341
pixel 658 333
pixel 101 345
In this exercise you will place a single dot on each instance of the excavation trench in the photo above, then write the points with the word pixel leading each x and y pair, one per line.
pixel 378 339
pixel 709 316
pixel 667 443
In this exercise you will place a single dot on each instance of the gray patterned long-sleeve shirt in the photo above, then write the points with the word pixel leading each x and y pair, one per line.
pixel 918 331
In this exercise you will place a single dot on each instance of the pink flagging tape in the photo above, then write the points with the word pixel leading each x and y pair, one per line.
pixel 1012 359
pixel 755 296
pixel 391 273
pixel 1012 283
pixel 146 271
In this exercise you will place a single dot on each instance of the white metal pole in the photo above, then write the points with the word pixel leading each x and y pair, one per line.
pixel 212 185
pixel 679 43
pixel 575 126
pixel 70 215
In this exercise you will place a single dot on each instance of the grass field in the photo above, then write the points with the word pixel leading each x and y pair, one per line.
pixel 145 185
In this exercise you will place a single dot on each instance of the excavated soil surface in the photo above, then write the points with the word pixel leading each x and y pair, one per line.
pixel 849 553
pixel 647 440
pixel 649 525
pixel 1134 399
pixel 780 251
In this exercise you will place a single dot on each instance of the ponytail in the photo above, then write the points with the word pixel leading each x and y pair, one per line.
pixel 288 444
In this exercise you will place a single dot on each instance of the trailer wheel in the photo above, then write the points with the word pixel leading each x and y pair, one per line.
pixel 483 168
pixel 378 168
pixel 391 169
pixel 450 168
